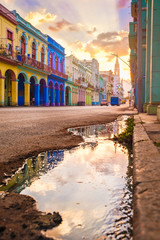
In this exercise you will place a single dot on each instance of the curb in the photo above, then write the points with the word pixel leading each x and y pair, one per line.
pixel 146 182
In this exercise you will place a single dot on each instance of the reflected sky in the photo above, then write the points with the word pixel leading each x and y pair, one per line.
pixel 87 189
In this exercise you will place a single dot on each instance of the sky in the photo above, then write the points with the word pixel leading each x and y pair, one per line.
pixel 86 28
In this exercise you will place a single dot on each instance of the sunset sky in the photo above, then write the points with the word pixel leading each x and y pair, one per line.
pixel 86 28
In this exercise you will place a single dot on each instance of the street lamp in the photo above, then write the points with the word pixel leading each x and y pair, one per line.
pixel 120 59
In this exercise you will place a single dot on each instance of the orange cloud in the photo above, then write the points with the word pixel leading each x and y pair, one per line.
pixel 110 42
pixel 40 17
pixel 60 25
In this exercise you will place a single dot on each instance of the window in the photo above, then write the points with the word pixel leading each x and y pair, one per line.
pixel 33 50
pixel 9 35
pixel 57 63
pixel 50 60
pixel 23 45
pixel 42 55
pixel 61 66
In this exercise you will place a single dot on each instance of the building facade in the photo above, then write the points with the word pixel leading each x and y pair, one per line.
pixel 32 65
pixel 8 58
pixel 57 78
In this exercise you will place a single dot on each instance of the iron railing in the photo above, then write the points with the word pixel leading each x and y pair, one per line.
pixel 23 59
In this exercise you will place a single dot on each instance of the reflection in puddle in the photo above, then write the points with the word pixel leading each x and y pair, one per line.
pixel 90 186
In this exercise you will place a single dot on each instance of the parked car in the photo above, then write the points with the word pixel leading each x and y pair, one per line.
pixel 104 102
pixel 123 101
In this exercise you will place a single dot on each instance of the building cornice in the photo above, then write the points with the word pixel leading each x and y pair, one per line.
pixel 4 12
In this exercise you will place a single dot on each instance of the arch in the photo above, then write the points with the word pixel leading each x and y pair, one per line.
pixel 56 86
pixel 21 78
pixel 8 91
pixel 33 93
pixel 42 91
pixel 68 96
pixel 25 76
pixel 61 95
pixel 56 94
pixel 51 93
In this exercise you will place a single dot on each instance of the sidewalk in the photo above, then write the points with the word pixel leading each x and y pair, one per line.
pixel 146 178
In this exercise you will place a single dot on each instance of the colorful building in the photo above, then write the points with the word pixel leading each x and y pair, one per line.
pixel 152 88
pixel 71 69
pixel 57 78
pixel 32 64
pixel 137 43
pixel 32 75
pixel 8 58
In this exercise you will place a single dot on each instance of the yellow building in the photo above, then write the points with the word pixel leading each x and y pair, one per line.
pixel 8 60
pixel 23 62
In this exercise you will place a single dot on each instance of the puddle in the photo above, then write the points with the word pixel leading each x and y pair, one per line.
pixel 90 185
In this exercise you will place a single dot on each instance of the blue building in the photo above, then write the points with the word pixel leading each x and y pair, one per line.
pixel 56 80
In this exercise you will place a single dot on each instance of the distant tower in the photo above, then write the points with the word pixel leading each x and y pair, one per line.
pixel 117 68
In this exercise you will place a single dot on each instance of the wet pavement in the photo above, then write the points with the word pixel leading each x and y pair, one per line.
pixel 90 185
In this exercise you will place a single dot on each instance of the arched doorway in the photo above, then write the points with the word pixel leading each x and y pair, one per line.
pixel 50 93
pixel 9 77
pixel 21 82
pixel 56 94
pixel 67 96
pixel 42 92
pixel 32 91
pixel 61 97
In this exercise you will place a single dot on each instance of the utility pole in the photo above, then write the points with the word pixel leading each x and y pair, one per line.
pixel 139 59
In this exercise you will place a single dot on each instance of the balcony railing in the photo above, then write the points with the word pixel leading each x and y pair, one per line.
pixel 134 8
pixel 33 62
pixel 132 35
pixel 60 74
pixel 7 54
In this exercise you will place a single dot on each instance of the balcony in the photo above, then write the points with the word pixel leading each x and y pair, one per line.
pixel 57 73
pixel 34 63
pixel 132 35
pixel 134 8
pixel 80 81
pixel 8 56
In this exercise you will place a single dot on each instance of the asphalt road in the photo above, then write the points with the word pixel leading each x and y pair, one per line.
pixel 29 130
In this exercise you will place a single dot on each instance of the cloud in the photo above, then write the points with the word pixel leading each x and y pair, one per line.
pixel 122 3
pixel 58 26
pixel 92 31
pixel 40 17
pixel 109 42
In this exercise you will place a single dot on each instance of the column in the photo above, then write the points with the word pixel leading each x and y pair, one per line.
pixel 37 94
pixel 15 93
pixel 26 94
pixel 62 97
pixel 2 91
pixel 57 97
pixel 46 96
pixel 148 51
pixel 155 59
pixel 70 97
pixel 52 97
